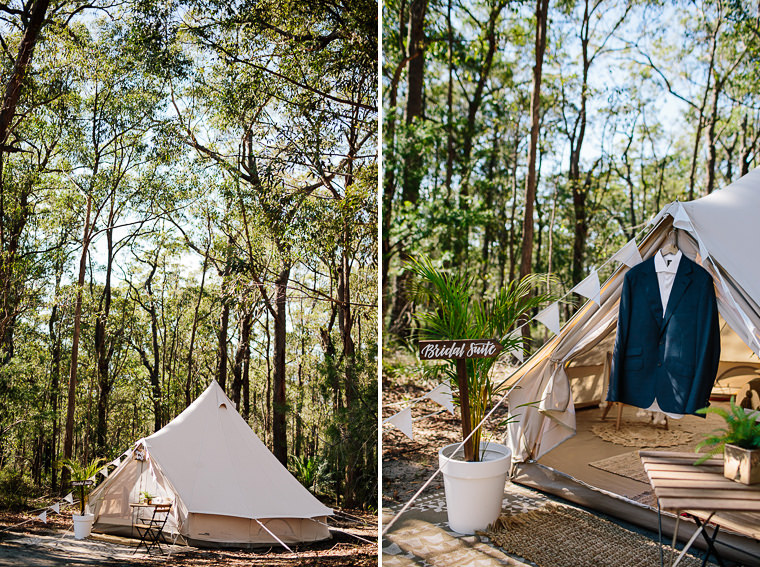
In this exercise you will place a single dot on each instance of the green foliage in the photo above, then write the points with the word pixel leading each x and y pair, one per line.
pixel 454 312
pixel 742 429
pixel 15 490
pixel 81 473
pixel 147 495
pixel 351 436
pixel 310 471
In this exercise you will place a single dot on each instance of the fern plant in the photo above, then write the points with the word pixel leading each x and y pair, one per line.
pixel 742 429
pixel 307 470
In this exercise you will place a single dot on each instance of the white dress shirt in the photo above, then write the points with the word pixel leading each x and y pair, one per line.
pixel 666 268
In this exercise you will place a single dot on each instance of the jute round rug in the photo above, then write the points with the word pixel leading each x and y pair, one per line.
pixel 556 536
pixel 637 434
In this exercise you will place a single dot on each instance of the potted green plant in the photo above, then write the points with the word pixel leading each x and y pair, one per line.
pixel 147 497
pixel 473 488
pixel 81 483
pixel 739 441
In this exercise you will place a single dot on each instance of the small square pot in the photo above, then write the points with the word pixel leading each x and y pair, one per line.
pixel 741 465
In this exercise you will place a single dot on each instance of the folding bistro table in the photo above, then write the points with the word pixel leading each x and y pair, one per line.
pixel 705 495
pixel 150 530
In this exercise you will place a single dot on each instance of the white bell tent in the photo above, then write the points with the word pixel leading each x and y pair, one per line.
pixel 720 232
pixel 226 487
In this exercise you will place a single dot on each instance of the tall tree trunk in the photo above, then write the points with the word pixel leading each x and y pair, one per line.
pixel 461 241
pixel 389 181
pixel 268 409
pixel 189 379
pixel 55 371
pixel 345 323
pixel 242 354
pixel 412 170
pixel 224 322
pixel 449 102
pixel 154 368
pixel 578 136
pixel 300 396
pixel 279 405
pixel 542 8
pixel 102 350
pixel 415 84
pixel 711 138
pixel 749 141
pixel 68 441
pixel 701 112
pixel 9 242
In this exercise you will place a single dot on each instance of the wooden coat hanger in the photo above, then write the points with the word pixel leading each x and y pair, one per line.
pixel 671 244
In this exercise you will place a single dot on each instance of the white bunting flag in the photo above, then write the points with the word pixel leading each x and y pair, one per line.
pixel 403 420
pixel 43 516
pixel 69 498
pixel 104 472
pixel 56 508
pixel 550 317
pixel 116 462
pixel 92 478
pixel 441 395
pixel 519 354
pixel 628 254
pixel 589 288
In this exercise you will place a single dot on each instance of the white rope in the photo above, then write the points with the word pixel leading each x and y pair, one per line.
pixel 282 543
pixel 340 530
pixel 447 459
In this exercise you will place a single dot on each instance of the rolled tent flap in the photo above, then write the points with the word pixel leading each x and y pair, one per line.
pixel 720 232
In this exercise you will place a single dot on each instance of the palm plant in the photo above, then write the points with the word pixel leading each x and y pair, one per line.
pixel 454 313
pixel 742 429
pixel 82 473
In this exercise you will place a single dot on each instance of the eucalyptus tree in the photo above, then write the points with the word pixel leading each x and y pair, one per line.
pixel 291 89
pixel 108 153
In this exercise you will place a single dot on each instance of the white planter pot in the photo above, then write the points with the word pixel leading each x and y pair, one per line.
pixel 474 491
pixel 82 525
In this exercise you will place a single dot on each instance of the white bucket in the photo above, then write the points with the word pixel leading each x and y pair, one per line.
pixel 82 525
pixel 474 491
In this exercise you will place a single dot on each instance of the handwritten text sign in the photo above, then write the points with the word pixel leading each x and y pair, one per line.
pixel 469 348
pixel 82 482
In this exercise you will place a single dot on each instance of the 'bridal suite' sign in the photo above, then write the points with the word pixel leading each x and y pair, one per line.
pixel 469 348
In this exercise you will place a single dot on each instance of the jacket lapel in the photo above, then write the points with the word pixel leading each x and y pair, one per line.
pixel 653 292
pixel 680 284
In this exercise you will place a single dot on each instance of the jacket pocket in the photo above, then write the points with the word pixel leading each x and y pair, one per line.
pixel 681 369
pixel 634 359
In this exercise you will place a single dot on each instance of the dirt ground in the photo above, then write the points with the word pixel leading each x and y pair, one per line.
pixel 35 544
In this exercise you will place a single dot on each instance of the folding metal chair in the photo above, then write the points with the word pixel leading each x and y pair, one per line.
pixel 150 532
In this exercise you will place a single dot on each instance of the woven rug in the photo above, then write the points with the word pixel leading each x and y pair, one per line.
pixel 437 548
pixel 565 537
pixel 627 465
pixel 637 434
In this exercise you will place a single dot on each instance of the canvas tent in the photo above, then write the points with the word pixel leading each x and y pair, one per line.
pixel 226 486
pixel 720 232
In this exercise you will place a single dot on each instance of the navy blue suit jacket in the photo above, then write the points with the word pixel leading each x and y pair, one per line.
pixel 672 356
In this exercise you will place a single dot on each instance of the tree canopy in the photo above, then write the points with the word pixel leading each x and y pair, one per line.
pixel 188 192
